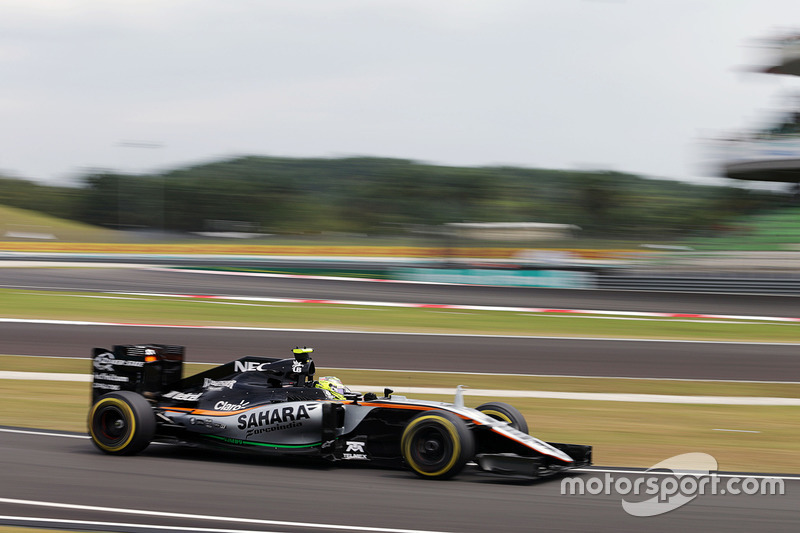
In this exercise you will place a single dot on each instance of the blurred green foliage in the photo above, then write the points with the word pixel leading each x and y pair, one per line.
pixel 56 201
pixel 386 196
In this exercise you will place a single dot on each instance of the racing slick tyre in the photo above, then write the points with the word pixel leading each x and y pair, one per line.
pixel 437 444
pixel 122 423
pixel 506 413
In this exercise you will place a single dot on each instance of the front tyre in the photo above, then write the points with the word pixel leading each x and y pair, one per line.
pixel 122 423
pixel 506 413
pixel 437 444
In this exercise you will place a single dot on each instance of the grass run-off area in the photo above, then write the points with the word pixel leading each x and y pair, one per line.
pixel 362 317
pixel 623 434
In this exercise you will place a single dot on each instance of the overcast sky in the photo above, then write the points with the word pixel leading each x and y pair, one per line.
pixel 146 85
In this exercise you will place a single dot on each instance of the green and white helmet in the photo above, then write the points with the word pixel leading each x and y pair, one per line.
pixel 334 386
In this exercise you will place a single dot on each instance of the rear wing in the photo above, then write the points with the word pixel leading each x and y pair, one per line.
pixel 148 369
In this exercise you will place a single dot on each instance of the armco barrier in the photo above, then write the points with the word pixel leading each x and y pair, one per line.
pixel 742 283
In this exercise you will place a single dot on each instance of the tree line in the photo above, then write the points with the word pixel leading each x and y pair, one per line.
pixel 385 196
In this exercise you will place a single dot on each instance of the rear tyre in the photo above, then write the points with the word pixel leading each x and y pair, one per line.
pixel 122 423
pixel 506 413
pixel 437 444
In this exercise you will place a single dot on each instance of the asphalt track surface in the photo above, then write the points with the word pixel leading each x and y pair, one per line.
pixel 592 357
pixel 66 470
pixel 502 354
pixel 194 482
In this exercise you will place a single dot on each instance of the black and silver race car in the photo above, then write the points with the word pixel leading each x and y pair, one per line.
pixel 275 406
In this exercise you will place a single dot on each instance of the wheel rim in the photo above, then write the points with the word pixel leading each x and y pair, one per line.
pixel 431 447
pixel 497 415
pixel 112 425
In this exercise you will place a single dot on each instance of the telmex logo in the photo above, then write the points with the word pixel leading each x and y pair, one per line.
pixel 249 366
pixel 355 450
pixel 354 446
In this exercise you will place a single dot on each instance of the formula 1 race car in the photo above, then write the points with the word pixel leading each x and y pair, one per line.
pixel 275 406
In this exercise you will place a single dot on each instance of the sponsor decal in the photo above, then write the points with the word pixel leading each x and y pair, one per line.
pixel 207 422
pixel 297 366
pixel 227 406
pixel 218 385
pixel 273 419
pixel 528 439
pixel 249 366
pixel 106 362
pixel 112 377
pixel 183 396
pixel 355 450
pixel 106 386
pixel 269 429
pixel 233 441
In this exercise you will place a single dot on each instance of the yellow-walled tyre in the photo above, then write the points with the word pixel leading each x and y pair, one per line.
pixel 121 423
pixel 437 444
pixel 506 413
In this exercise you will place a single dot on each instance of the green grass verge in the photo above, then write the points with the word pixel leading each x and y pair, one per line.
pixel 149 310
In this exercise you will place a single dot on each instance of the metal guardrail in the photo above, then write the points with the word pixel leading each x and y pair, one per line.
pixel 705 271
pixel 701 282
pixel 761 262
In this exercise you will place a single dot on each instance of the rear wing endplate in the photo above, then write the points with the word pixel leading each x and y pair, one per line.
pixel 148 369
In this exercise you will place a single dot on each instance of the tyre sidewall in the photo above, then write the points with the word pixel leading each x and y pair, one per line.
pixel 506 413
pixel 459 442
pixel 136 415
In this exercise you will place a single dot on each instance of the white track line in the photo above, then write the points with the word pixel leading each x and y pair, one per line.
pixel 644 471
pixel 91 524
pixel 43 433
pixel 305 276
pixel 166 514
pixel 495 393
pixel 45 376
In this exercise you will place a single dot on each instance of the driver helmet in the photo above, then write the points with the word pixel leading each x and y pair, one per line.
pixel 334 386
